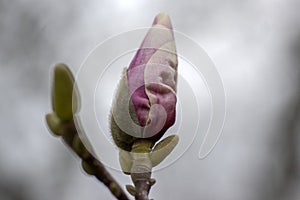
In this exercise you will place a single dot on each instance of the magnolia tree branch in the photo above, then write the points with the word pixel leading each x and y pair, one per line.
pixel 89 163
pixel 92 165
pixel 61 123
pixel 141 168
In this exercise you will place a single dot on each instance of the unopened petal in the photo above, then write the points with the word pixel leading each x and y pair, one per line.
pixel 152 77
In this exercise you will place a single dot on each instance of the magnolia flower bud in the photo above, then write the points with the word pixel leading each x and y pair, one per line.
pixel 64 103
pixel 145 101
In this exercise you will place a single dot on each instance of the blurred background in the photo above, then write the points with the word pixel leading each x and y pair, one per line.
pixel 255 45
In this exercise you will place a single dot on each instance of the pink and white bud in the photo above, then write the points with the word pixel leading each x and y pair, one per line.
pixel 150 84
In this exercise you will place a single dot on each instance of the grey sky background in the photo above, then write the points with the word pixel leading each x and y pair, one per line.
pixel 255 46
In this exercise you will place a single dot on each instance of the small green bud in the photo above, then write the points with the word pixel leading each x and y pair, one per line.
pixel 152 181
pixel 54 124
pixel 131 189
pixel 87 168
pixel 62 93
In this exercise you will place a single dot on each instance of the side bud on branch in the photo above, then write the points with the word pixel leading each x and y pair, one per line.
pixel 65 103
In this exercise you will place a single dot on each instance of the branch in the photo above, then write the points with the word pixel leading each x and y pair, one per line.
pixel 65 102
pixel 89 163
pixel 141 168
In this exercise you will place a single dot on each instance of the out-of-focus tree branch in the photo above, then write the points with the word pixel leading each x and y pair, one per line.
pixel 65 100
pixel 291 118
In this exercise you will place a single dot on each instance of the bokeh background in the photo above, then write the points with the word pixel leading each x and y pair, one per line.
pixel 255 45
